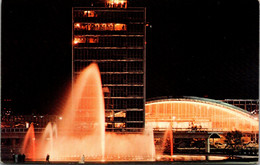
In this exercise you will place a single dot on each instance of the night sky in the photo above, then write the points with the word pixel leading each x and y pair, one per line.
pixel 205 48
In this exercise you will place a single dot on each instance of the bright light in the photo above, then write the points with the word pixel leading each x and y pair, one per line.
pixel 27 125
pixel 255 118
pixel 77 25
pixel 76 42
pixel 60 118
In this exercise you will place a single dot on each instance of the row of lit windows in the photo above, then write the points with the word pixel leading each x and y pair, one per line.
pixel 114 125
pixel 117 116
pixel 110 54
pixel 122 79
pixel 108 16
pixel 133 29
pixel 23 124
pixel 135 66
pixel 100 26
pixel 128 116
pixel 108 41
pixel 28 118
pixel 113 114
pixel 116 3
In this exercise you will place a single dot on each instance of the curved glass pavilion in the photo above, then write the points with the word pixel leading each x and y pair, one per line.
pixel 201 113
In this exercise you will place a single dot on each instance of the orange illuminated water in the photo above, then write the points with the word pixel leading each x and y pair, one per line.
pixel 168 136
pixel 29 143
pixel 82 129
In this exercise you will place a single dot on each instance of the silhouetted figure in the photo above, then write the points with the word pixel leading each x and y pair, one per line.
pixel 14 158
pixel 23 158
pixel 19 158
pixel 48 158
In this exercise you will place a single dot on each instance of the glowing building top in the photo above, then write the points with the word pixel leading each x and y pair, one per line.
pixel 116 3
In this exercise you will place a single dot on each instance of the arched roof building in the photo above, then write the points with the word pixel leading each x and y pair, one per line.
pixel 200 112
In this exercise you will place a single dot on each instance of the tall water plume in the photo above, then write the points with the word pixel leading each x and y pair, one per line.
pixel 82 128
pixel 28 146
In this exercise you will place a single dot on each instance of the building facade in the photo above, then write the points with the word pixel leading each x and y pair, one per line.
pixel 114 37
pixel 201 114
pixel 251 105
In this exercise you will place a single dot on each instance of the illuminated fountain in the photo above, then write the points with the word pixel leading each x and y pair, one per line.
pixel 167 138
pixel 46 143
pixel 82 129
pixel 29 143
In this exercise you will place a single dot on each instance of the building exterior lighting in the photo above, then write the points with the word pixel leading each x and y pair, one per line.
pixel 114 39
pixel 26 125
pixel 210 115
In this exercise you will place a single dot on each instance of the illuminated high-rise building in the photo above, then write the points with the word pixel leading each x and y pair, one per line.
pixel 114 37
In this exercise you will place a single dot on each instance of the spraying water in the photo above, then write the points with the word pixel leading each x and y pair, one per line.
pixel 82 128
pixel 28 146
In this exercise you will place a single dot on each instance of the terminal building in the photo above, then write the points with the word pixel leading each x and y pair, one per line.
pixel 202 114
pixel 114 37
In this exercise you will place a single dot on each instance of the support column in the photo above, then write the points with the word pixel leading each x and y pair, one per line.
pixel 207 146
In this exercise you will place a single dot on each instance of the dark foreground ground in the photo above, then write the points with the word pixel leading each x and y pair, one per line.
pixel 235 162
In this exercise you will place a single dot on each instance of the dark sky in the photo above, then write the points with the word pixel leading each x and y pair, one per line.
pixel 194 48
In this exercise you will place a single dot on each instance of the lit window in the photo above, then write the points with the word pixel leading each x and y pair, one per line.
pixel 109 26
pixel 92 40
pixel 120 27
pixel 90 14
pixel 119 125
pixel 79 40
pixel 77 25
pixel 120 114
